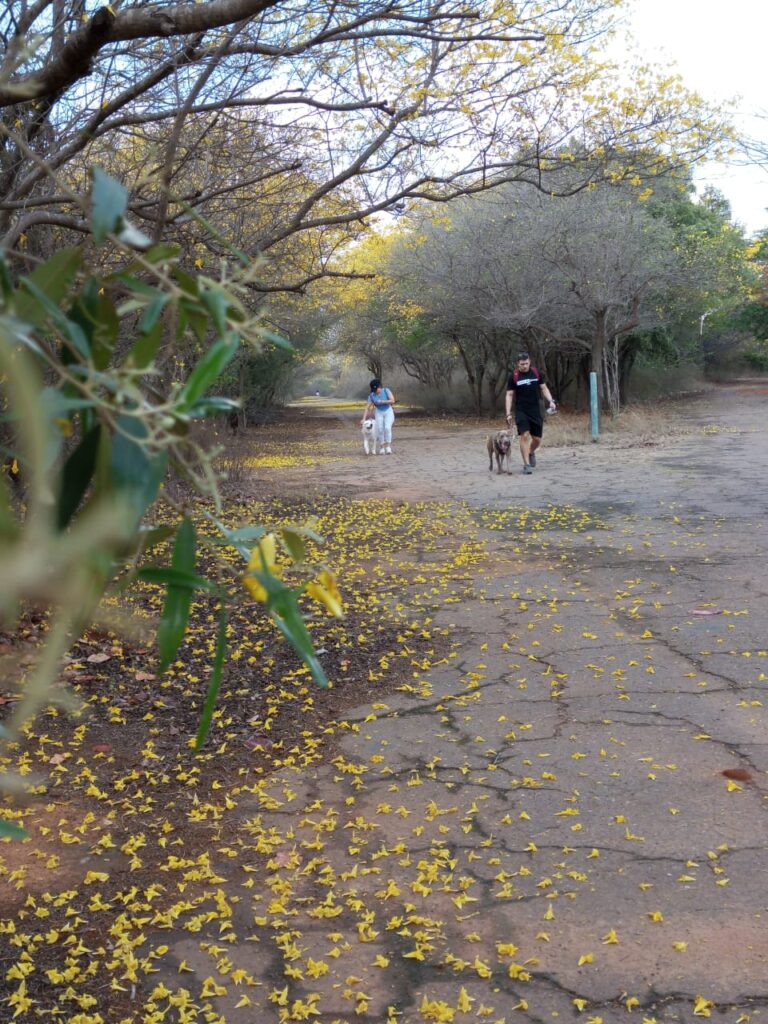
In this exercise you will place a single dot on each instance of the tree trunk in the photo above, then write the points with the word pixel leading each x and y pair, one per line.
pixel 596 354
pixel 474 376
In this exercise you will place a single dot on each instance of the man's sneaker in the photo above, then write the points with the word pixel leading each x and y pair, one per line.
pixel 532 459
pixel 527 470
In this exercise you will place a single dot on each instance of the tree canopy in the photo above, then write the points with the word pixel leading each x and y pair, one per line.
pixel 282 118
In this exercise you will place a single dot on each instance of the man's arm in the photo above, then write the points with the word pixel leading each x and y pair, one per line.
pixel 509 404
pixel 547 395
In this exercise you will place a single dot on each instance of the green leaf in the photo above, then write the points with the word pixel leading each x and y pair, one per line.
pixel 242 539
pixel 145 348
pixel 287 617
pixel 9 525
pixel 134 284
pixel 161 253
pixel 53 279
pixel 216 303
pixel 173 621
pixel 207 370
pixel 53 403
pixel 76 476
pixel 210 406
pixel 190 313
pixel 295 544
pixel 152 312
pixel 71 330
pixel 276 339
pixel 174 577
pixel 215 684
pixel 6 282
pixel 8 830
pixel 150 536
pixel 186 281
pixel 95 312
pixel 282 603
pixel 135 472
pixel 109 201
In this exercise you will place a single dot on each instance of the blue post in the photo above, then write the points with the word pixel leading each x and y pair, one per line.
pixel 593 417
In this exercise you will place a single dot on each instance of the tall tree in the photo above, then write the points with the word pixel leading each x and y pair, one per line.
pixel 342 108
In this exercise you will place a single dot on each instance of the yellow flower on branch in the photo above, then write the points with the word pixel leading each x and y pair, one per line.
pixel 325 592
pixel 264 560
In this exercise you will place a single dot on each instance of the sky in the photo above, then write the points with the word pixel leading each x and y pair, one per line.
pixel 719 51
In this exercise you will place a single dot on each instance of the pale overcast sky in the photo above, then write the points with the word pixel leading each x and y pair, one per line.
pixel 719 50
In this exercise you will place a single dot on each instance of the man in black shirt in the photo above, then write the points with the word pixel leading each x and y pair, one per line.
pixel 525 388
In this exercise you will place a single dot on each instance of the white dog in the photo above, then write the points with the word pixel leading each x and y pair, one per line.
pixel 369 437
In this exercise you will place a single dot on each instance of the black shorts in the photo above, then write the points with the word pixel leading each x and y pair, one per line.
pixel 526 425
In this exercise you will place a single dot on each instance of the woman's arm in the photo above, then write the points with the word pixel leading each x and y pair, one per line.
pixel 368 408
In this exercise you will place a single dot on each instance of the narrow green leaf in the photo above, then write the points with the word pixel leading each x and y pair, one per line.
pixel 162 252
pixel 186 281
pixel 150 536
pixel 295 544
pixel 215 684
pixel 215 301
pixel 152 312
pixel 194 317
pixel 9 525
pixel 109 201
pixel 95 312
pixel 242 539
pixel 208 369
pixel 282 603
pixel 72 331
pixel 288 619
pixel 146 346
pixel 134 284
pixel 173 621
pixel 76 476
pixel 175 577
pixel 8 830
pixel 133 471
pixel 53 279
pixel 6 282
pixel 276 339
pixel 210 406
pixel 53 403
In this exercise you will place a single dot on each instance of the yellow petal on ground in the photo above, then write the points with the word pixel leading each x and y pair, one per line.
pixel 702 1007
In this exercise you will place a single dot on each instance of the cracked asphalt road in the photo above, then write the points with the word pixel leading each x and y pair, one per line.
pixel 548 824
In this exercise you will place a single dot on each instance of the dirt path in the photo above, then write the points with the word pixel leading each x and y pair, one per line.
pixel 536 826
pixel 542 827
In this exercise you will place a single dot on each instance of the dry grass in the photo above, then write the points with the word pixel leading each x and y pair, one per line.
pixel 636 425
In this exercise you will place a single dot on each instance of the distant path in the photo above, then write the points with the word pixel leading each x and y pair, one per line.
pixel 542 826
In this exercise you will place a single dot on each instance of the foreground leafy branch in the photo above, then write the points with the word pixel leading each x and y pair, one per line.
pixel 88 437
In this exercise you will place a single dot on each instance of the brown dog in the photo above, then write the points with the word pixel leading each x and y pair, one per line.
pixel 500 445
